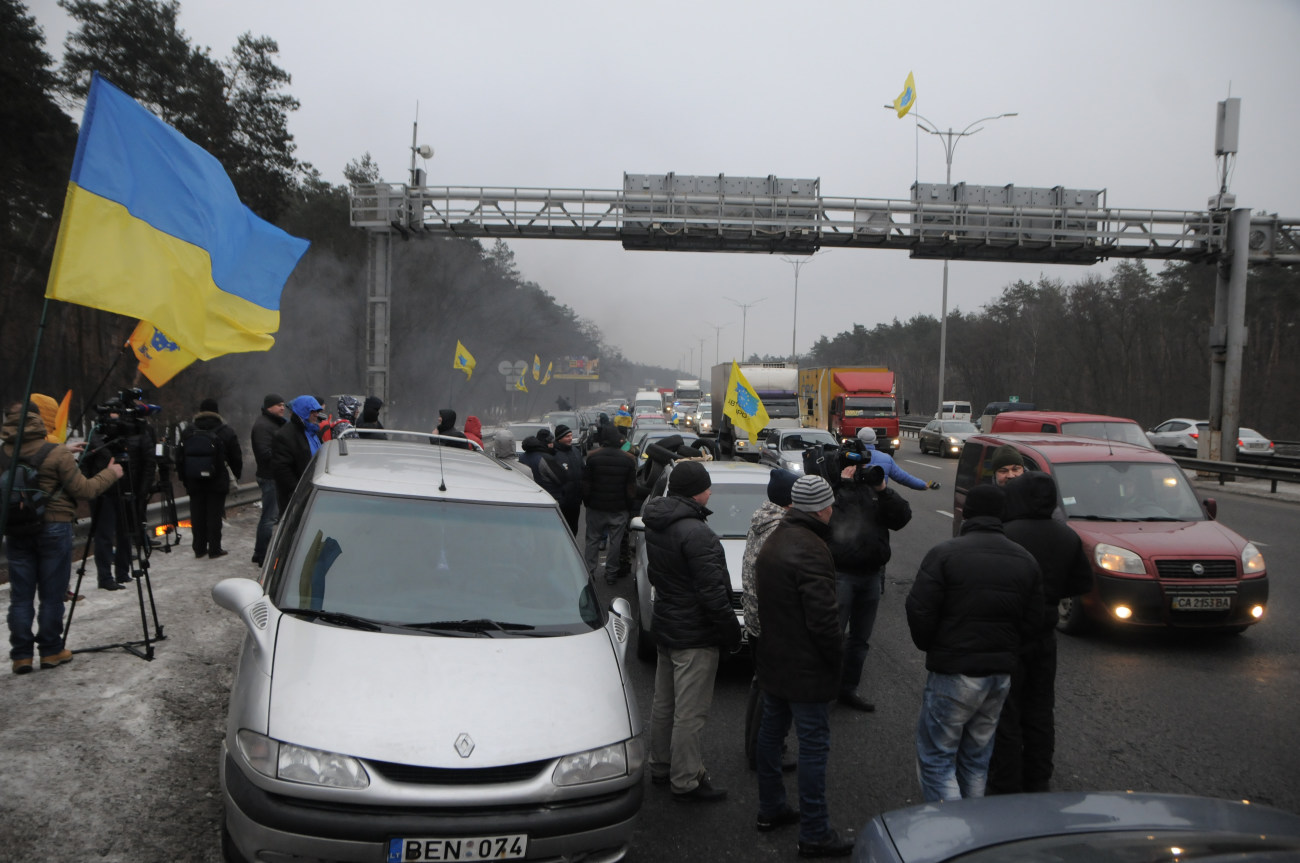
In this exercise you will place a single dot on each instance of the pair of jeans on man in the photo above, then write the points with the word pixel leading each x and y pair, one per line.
pixel 39 569
pixel 812 727
pixel 954 733
pixel 599 523
pixel 858 595
pixel 270 517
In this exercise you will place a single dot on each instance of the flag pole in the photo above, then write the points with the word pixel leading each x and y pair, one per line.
pixel 22 407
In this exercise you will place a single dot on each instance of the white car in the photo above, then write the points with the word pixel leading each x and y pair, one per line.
pixel 739 488
pixel 1179 433
pixel 422 610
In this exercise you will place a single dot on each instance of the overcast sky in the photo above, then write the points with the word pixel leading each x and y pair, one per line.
pixel 1111 94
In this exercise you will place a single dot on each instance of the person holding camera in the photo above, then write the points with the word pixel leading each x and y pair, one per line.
pixel 208 447
pixel 866 510
pixel 40 555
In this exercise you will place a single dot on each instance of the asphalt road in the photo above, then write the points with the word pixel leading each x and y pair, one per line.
pixel 1189 713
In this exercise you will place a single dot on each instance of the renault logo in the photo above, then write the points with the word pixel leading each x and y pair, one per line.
pixel 1198 569
pixel 464 745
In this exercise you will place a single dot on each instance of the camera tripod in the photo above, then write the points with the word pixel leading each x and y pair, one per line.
pixel 130 512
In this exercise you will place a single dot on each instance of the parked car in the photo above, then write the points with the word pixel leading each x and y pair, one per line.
pixel 1179 433
pixel 397 656
pixel 784 448
pixel 1056 422
pixel 945 437
pixel 1158 557
pixel 1081 825
pixel 739 489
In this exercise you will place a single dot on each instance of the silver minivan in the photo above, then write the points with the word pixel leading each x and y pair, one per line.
pixel 427 673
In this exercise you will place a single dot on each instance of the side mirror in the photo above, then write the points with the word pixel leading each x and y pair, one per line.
pixel 637 523
pixel 1211 508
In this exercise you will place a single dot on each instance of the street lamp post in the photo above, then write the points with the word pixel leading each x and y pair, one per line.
pixel 949 140
pixel 744 320
pixel 798 264
pixel 717 339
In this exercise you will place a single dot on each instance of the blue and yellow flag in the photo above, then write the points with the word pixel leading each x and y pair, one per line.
pixel 537 367
pixel 907 99
pixel 743 404
pixel 520 385
pixel 547 377
pixel 464 360
pixel 160 358
pixel 152 228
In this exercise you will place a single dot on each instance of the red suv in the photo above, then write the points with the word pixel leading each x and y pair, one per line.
pixel 1158 556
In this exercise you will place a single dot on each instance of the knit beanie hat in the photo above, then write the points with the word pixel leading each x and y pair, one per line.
pixel 811 494
pixel 688 479
pixel 270 400
pixel 1007 455
pixel 984 500
pixel 561 430
pixel 778 487
pixel 208 405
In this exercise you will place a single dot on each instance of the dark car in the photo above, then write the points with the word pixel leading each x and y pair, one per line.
pixel 784 448
pixel 945 437
pixel 1080 826
pixel 1159 558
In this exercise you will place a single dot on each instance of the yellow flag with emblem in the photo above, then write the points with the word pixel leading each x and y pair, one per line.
pixel 743 404
pixel 907 99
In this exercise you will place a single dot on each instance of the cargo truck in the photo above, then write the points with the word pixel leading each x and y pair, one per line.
pixel 843 400
pixel 777 386
pixel 686 398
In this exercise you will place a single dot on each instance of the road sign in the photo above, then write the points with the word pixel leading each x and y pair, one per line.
pixel 505 367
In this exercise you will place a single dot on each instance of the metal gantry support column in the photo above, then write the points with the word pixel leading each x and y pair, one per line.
pixel 378 314
pixel 1228 339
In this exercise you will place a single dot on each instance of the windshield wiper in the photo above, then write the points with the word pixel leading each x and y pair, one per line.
pixel 335 617
pixel 1099 517
pixel 481 625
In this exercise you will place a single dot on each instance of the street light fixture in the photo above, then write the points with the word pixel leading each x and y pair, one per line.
pixel 744 320
pixel 798 264
pixel 949 140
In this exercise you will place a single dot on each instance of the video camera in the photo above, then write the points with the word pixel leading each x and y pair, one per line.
pixel 123 416
pixel 829 462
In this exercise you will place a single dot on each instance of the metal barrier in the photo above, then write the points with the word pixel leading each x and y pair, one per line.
pixel 1274 475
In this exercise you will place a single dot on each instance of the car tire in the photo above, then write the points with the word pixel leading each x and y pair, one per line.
pixel 1071 618
pixel 645 646
pixel 229 851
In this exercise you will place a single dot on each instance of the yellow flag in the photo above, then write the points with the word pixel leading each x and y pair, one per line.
pixel 907 99
pixel 743 404
pixel 160 358
pixel 464 360
pixel 547 378
pixel 520 385
pixel 537 367
pixel 60 433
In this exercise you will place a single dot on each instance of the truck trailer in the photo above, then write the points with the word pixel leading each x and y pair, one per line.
pixel 777 386
pixel 686 399
pixel 845 399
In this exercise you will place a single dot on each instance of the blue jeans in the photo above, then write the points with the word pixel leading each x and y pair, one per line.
pixel 813 728
pixel 270 518
pixel 858 595
pixel 954 734
pixel 39 567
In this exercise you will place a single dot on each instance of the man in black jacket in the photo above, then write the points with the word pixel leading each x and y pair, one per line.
pixel 293 446
pixel 798 665
pixel 1026 739
pixel 568 458
pixel 975 600
pixel 866 510
pixel 609 491
pixel 693 621
pixel 207 448
pixel 264 429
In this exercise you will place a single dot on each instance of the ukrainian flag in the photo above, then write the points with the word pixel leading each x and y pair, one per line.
pixel 907 99
pixel 464 360
pixel 159 357
pixel 153 228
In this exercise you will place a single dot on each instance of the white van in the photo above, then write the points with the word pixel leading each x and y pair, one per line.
pixel 647 402
pixel 954 410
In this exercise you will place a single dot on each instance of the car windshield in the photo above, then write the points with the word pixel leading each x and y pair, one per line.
pixel 869 407
pixel 958 427
pixel 733 506
pixel 807 438
pixel 1241 432
pixel 1126 491
pixel 558 418
pixel 1122 432
pixel 408 561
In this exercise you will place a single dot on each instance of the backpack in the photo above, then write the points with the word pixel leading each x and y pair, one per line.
pixel 26 501
pixel 204 456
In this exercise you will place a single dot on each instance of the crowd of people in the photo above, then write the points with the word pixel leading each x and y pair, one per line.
pixel 982 606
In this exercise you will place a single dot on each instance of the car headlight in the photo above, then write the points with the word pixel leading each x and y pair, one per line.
pixel 1113 558
pixel 291 763
pixel 594 765
pixel 952 441
pixel 796 466
pixel 1251 560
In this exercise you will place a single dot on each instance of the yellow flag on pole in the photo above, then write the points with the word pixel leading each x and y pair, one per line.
pixel 520 385
pixel 464 360
pixel 537 367
pixel 907 99
pixel 60 434
pixel 743 404
pixel 547 377
pixel 160 358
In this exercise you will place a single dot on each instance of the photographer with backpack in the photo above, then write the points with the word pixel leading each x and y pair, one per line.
pixel 207 448
pixel 38 532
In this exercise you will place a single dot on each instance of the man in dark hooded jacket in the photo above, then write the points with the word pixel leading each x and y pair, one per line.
pixel 539 459
pixel 207 447
pixel 693 622
pixel 264 429
pixel 568 458
pixel 447 428
pixel 1026 738
pixel 294 444
pixel 370 413
pixel 609 491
